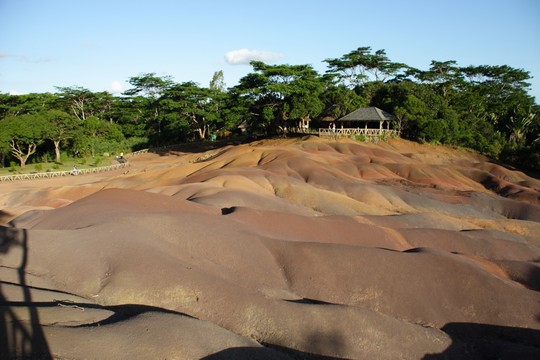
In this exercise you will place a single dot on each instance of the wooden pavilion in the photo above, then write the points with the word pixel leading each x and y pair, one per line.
pixel 369 121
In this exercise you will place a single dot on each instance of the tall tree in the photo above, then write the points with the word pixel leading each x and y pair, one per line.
pixel 218 81
pixel 445 76
pixel 361 65
pixel 503 92
pixel 77 100
pixel 150 87
pixel 280 93
pixel 193 104
pixel 95 136
pixel 59 128
pixel 23 133
pixel 26 104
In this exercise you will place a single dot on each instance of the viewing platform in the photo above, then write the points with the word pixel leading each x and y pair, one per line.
pixel 352 132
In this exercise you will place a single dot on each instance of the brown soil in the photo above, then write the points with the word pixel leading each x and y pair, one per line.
pixel 275 249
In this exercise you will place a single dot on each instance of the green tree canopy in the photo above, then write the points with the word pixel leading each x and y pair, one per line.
pixel 23 134
pixel 60 127
pixel 361 65
pixel 280 93
pixel 147 89
pixel 192 104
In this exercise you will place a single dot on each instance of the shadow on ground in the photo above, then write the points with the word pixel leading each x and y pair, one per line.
pixel 16 340
pixel 481 341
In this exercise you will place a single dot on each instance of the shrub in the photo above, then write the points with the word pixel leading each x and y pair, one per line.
pixel 38 167
pixel 361 137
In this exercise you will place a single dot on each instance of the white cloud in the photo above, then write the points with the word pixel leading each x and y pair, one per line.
pixel 244 56
pixel 15 92
pixel 116 87
pixel 25 58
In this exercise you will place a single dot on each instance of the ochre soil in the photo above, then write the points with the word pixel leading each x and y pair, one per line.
pixel 276 249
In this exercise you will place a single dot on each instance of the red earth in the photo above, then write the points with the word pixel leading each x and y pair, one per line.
pixel 276 249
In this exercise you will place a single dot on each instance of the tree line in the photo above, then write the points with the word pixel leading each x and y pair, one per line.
pixel 485 108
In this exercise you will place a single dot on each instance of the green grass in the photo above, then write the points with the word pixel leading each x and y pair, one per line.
pixel 67 165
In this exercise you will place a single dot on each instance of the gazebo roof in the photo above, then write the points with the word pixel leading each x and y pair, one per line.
pixel 368 114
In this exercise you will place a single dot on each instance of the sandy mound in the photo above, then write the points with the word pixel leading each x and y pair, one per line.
pixel 276 249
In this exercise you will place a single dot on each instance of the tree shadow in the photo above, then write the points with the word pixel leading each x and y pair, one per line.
pixel 267 352
pixel 529 171
pixel 482 341
pixel 199 146
pixel 25 339
pixel 16 339
pixel 259 353
pixel 317 342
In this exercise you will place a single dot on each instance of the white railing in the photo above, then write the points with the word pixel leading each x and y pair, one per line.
pixel 52 174
pixel 341 132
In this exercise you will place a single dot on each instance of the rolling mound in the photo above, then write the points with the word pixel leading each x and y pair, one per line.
pixel 276 249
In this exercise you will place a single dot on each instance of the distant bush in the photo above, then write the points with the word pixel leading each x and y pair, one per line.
pixel 361 138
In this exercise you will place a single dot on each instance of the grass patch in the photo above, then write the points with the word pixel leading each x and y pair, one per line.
pixel 65 165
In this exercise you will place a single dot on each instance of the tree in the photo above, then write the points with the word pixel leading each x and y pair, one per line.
pixel 128 113
pixel 24 133
pixel 25 104
pixel 98 136
pixel 218 99
pixel 5 139
pixel 59 128
pixel 218 82
pixel 445 76
pixel 338 99
pixel 279 93
pixel 503 91
pixel 193 104
pixel 360 66
pixel 76 100
pixel 150 87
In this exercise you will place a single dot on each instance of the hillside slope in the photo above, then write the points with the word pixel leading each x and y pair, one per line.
pixel 276 249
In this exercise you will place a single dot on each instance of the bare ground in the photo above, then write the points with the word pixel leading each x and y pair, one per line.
pixel 275 249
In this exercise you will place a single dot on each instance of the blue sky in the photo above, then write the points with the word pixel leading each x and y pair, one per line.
pixel 99 44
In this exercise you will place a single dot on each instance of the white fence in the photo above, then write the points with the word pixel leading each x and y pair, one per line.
pixel 53 174
pixel 358 131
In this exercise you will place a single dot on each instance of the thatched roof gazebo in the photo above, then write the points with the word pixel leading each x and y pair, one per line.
pixel 369 121
pixel 368 118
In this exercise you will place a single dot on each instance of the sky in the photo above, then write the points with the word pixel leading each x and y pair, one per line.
pixel 99 45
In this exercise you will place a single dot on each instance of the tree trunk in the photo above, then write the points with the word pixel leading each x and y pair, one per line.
pixel 20 155
pixel 202 132
pixel 57 150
